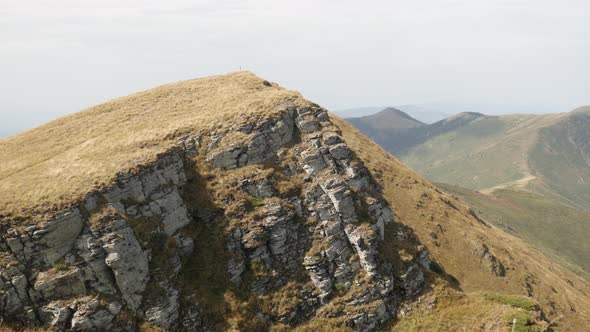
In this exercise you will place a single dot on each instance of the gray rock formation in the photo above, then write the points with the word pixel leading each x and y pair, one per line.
pixel 126 254
pixel 166 313
pixel 128 261
pixel 56 285
pixel 91 316
pixel 56 315
pixel 263 143
pixel 495 266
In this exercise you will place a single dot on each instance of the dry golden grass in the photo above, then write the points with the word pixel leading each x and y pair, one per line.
pixel 425 209
pixel 54 165
pixel 444 309
pixel 58 163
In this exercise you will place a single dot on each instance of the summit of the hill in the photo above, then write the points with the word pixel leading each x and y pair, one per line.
pixel 230 203
pixel 53 165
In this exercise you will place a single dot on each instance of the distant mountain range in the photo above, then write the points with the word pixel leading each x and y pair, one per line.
pixel 526 173
pixel 388 126
pixel 431 112
pixel 548 153
pixel 229 203
pixel 420 113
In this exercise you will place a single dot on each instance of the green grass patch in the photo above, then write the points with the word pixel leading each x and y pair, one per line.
pixel 60 266
pixel 252 203
pixel 516 301
pixel 558 230
pixel 339 286
pixel 522 321
pixel 259 269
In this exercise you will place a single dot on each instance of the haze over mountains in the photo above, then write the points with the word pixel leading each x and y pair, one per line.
pixel 419 113
pixel 231 203
pixel 546 152
pixel 527 173
pixel 431 112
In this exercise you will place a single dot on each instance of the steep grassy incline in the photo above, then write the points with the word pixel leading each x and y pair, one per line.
pixel 55 165
pixel 560 158
pixel 560 230
pixel 490 152
pixel 468 248
pixel 548 154
pixel 230 203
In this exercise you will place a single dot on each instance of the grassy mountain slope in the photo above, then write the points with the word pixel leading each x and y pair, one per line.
pixel 55 165
pixel 560 158
pixel 477 154
pixel 454 236
pixel 558 229
pixel 474 265
pixel 545 153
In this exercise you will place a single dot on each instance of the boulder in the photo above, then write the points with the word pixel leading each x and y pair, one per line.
pixel 341 197
pixel 57 315
pixel 57 238
pixel 90 316
pixel 128 262
pixel 363 240
pixel 313 161
pixel 412 280
pixel 55 285
pixel 340 152
pixel 174 214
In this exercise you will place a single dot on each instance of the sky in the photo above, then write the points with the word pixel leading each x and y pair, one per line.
pixel 58 57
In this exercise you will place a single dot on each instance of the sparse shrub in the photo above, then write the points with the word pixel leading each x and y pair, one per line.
pixel 144 227
pixel 340 286
pixel 240 314
pixel 524 322
pixel 256 202
pixel 60 266
pixel 259 269
pixel 516 301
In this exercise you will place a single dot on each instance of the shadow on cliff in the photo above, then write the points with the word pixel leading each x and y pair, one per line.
pixel 203 278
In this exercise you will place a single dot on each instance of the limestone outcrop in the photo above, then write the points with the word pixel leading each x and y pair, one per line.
pixel 284 202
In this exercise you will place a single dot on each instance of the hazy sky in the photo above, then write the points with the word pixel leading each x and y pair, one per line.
pixel 57 57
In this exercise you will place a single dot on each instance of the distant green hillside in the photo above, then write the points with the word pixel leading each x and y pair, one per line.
pixel 548 154
pixel 557 229
pixel 388 126
pixel 561 159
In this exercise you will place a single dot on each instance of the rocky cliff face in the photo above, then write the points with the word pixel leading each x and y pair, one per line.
pixel 267 224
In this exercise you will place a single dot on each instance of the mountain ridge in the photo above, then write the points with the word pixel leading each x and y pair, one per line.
pixel 467 149
pixel 387 118
pixel 390 113
pixel 422 114
pixel 525 172
pixel 88 133
pixel 229 203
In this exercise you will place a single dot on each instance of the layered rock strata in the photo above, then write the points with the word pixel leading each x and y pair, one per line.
pixel 304 210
